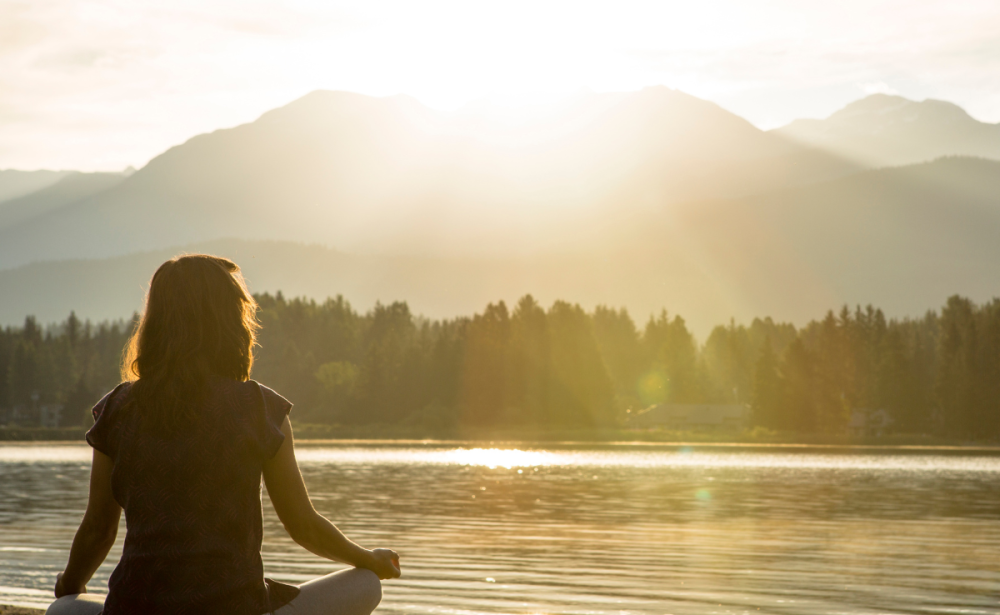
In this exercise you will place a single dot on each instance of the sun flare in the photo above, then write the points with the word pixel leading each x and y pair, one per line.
pixel 498 458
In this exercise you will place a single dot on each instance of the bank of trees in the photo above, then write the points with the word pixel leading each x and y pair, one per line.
pixel 73 363
pixel 526 366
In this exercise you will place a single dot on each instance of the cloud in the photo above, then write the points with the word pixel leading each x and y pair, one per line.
pixel 146 75
pixel 877 87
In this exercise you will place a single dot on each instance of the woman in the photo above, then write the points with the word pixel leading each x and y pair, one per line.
pixel 181 446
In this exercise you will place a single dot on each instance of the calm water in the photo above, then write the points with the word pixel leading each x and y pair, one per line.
pixel 613 530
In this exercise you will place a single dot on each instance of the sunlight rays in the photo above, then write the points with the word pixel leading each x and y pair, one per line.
pixel 116 83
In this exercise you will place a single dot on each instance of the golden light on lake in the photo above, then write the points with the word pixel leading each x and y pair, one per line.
pixel 498 458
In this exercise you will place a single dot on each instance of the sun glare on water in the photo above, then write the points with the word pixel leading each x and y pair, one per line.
pixel 496 457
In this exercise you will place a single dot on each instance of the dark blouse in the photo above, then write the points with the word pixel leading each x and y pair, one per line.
pixel 192 503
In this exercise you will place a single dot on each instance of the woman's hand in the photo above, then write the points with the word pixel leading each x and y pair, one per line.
pixel 384 563
pixel 62 590
pixel 309 528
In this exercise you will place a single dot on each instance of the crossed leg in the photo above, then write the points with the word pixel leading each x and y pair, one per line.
pixel 354 591
pixel 77 604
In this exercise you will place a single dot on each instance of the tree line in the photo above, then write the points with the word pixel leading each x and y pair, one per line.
pixel 528 367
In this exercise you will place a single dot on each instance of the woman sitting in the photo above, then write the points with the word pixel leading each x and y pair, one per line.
pixel 181 447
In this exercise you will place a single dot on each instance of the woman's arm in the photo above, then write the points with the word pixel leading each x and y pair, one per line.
pixel 309 528
pixel 97 531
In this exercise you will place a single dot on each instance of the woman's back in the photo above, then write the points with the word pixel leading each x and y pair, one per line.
pixel 191 498
pixel 182 448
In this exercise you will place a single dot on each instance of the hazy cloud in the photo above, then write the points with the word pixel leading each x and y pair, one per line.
pixel 107 83
pixel 877 87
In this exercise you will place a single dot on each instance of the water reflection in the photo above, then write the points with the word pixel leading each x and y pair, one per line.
pixel 674 457
pixel 489 457
pixel 607 530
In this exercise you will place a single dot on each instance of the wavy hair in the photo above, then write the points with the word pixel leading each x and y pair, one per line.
pixel 199 321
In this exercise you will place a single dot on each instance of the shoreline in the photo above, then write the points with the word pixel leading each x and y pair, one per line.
pixel 389 435
pixel 646 444
pixel 380 435
pixel 7 609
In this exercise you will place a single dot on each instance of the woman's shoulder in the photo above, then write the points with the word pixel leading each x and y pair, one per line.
pixel 101 435
pixel 272 399
pixel 263 409
pixel 275 409
pixel 253 391
pixel 242 386
pixel 112 400
pixel 266 390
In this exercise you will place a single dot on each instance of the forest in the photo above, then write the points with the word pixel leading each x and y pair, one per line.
pixel 525 368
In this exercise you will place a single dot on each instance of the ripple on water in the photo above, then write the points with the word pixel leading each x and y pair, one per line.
pixel 605 532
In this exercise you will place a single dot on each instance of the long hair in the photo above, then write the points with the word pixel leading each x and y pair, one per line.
pixel 199 321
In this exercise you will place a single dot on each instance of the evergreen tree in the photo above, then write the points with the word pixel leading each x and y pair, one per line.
pixel 566 368
pixel 799 410
pixel 530 364
pixel 767 402
pixel 581 392
pixel 485 366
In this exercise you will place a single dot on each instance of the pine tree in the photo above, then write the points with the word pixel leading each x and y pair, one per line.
pixel 767 400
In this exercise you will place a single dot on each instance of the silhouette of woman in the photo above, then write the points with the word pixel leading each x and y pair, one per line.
pixel 181 446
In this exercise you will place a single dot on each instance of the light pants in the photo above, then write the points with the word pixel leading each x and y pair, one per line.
pixel 354 591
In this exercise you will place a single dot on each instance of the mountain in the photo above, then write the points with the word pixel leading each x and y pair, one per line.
pixel 440 287
pixel 71 188
pixel 903 239
pixel 883 130
pixel 647 200
pixel 388 175
pixel 14 184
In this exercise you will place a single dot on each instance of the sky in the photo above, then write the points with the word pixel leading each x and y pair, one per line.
pixel 107 84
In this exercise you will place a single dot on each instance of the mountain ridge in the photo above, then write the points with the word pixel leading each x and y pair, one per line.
pixel 15 183
pixel 67 190
pixel 649 200
pixel 885 130
pixel 902 238
pixel 387 175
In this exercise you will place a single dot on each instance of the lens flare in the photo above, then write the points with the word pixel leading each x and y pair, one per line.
pixel 653 388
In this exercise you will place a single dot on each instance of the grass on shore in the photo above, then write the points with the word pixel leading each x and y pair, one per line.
pixel 756 436
pixel 12 433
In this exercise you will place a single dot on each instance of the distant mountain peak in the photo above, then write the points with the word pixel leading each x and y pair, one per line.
pixel 891 106
pixel 885 130
pixel 875 103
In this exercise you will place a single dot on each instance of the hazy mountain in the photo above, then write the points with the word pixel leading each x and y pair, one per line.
pixel 883 130
pixel 900 238
pixel 903 239
pixel 647 200
pixel 69 189
pixel 387 175
pixel 19 183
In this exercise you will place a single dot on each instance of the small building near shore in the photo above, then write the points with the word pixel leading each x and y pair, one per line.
pixel 685 417
pixel 35 415
pixel 50 415
pixel 868 422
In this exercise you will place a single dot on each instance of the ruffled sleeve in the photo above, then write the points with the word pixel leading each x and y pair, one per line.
pixel 101 435
pixel 275 409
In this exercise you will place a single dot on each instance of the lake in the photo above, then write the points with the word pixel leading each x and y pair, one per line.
pixel 598 530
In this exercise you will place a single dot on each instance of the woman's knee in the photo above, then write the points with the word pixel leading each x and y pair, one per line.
pixel 77 604
pixel 371 586
pixel 354 591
